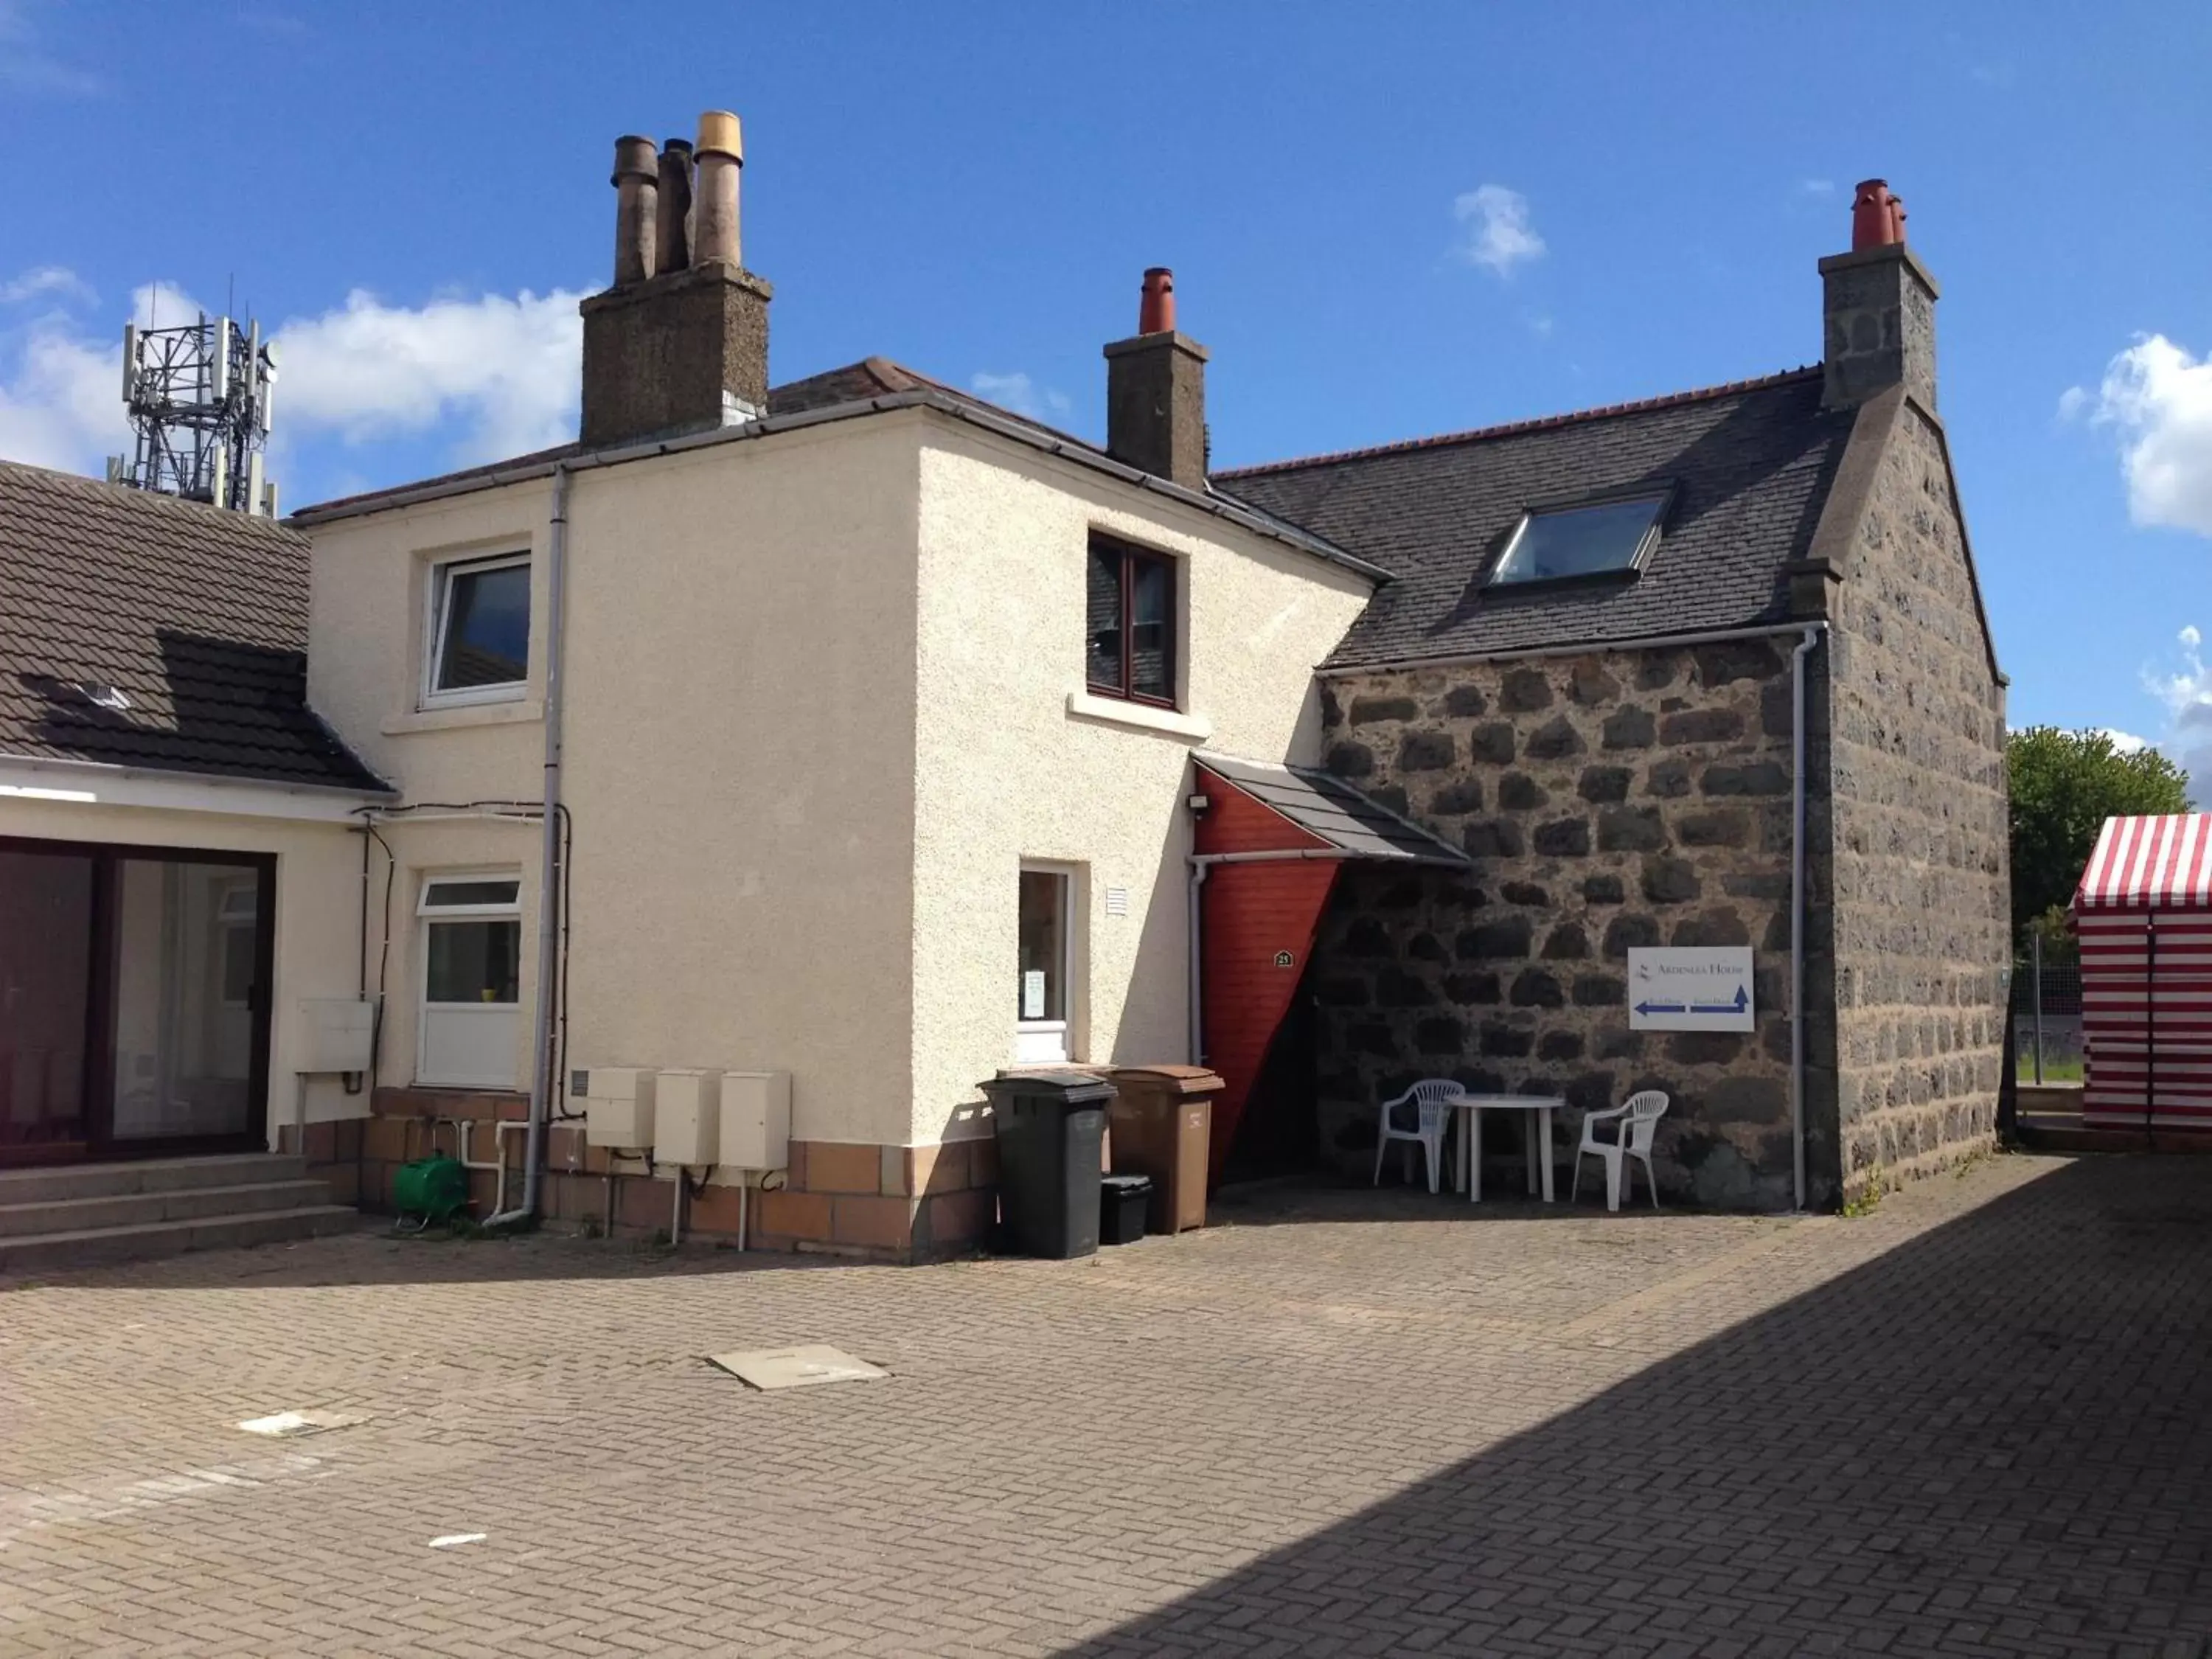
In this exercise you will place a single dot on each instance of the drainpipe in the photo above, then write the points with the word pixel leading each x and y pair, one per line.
pixel 1198 868
pixel 1812 637
pixel 541 1025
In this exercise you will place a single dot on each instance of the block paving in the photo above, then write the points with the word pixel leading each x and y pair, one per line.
pixel 1972 1423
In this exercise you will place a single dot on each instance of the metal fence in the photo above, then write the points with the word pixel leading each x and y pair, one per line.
pixel 2046 1019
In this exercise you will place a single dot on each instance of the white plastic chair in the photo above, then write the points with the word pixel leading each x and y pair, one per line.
pixel 1637 1120
pixel 1433 1097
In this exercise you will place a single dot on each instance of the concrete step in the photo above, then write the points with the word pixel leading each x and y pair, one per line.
pixel 60 1182
pixel 108 1210
pixel 103 1246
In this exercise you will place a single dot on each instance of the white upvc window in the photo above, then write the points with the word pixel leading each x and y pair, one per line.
pixel 476 631
pixel 471 1027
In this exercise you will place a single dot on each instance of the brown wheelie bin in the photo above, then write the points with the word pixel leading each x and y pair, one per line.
pixel 1160 1124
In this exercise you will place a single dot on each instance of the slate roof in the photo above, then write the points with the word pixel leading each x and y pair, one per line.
pixel 1329 807
pixel 199 619
pixel 1750 463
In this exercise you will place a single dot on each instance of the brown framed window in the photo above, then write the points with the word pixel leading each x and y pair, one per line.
pixel 1130 621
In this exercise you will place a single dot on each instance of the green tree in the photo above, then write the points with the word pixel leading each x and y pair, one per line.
pixel 2064 786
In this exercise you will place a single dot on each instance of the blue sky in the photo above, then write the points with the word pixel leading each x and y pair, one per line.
pixel 1385 220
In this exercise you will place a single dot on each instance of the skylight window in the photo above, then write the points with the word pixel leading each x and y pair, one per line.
pixel 1602 538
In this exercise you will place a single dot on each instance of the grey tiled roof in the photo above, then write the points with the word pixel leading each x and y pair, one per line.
pixel 1328 806
pixel 199 618
pixel 1750 463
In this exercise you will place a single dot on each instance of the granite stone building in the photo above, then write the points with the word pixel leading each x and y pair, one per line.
pixel 1709 669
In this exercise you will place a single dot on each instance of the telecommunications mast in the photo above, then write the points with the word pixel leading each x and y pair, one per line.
pixel 199 401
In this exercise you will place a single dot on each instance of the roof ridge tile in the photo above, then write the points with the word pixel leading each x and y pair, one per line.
pixel 1534 424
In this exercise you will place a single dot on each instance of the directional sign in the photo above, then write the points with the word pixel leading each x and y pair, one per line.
pixel 1704 988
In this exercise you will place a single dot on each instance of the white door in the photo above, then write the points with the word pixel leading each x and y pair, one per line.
pixel 1042 997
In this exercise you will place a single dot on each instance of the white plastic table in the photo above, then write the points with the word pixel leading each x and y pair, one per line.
pixel 1471 1108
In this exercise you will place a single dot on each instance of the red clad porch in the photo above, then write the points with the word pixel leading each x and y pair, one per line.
pixel 1267 850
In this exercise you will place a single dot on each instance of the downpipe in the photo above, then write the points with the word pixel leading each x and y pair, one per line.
pixel 541 1025
pixel 1797 793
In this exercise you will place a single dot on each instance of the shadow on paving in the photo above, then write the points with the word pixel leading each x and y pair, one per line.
pixel 1996 1438
pixel 376 1255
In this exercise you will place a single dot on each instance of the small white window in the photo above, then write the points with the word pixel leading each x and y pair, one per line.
pixel 479 642
pixel 471 1027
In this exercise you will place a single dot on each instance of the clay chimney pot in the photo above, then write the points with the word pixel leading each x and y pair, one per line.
pixel 1156 311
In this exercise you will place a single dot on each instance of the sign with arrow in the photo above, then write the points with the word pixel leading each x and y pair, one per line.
pixel 1704 988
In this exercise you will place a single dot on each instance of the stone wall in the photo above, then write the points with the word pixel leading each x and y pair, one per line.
pixel 1608 801
pixel 1919 808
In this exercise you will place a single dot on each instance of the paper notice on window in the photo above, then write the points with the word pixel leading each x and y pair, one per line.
pixel 1033 994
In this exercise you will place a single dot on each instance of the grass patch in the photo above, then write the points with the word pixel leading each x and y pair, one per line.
pixel 2063 1069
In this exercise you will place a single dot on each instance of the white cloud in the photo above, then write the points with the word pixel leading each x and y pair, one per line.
pixel 2123 743
pixel 505 371
pixel 2159 399
pixel 1019 394
pixel 2072 402
pixel 492 376
pixel 57 280
pixel 1499 233
pixel 1816 187
pixel 61 398
pixel 2187 691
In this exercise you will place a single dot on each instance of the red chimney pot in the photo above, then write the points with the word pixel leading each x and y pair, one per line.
pixel 1877 217
pixel 1156 310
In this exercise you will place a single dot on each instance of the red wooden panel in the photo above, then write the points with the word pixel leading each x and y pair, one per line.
pixel 1251 913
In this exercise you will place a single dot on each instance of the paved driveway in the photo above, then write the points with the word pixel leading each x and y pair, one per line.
pixel 1973 1423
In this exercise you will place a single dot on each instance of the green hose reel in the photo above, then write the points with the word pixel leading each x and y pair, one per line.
pixel 429 1192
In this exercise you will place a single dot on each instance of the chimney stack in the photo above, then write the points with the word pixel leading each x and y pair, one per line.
pixel 679 342
pixel 1155 391
pixel 1879 308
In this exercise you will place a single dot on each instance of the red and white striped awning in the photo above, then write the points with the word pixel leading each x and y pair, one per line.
pixel 2150 864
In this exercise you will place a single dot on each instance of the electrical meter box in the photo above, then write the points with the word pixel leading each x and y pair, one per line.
pixel 756 1120
pixel 617 1107
pixel 335 1034
pixel 687 1119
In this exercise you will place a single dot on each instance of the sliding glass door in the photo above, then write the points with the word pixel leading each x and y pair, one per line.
pixel 134 1000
